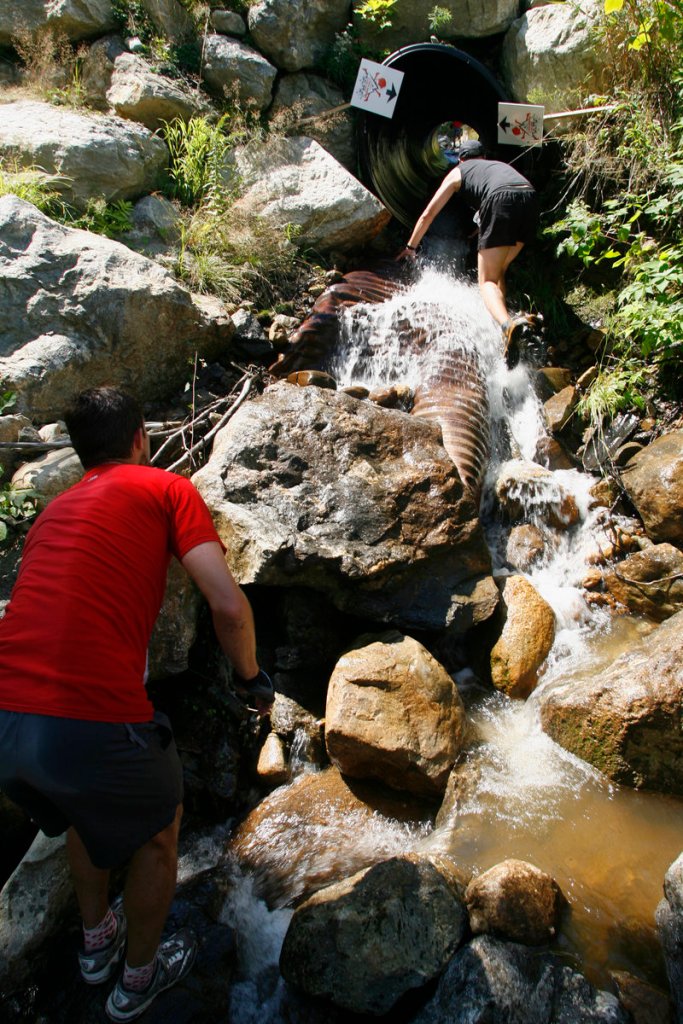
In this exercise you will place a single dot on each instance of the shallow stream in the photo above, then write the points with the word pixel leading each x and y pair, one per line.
pixel 607 846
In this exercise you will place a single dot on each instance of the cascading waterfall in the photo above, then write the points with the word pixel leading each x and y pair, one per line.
pixel 608 847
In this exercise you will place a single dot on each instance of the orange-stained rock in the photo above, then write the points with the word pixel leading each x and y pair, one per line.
pixel 394 714
pixel 526 639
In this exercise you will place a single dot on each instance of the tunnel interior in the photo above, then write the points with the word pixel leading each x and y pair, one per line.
pixel 445 95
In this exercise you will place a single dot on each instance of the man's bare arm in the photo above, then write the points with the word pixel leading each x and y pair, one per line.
pixel 448 187
pixel 232 616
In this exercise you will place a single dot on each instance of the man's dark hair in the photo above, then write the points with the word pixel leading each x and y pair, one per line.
pixel 102 423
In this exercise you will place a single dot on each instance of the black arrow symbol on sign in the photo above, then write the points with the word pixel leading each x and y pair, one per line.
pixel 391 93
pixel 504 124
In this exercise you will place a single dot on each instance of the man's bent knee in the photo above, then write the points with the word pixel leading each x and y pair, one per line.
pixel 167 839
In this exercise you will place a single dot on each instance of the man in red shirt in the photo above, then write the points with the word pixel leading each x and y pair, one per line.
pixel 81 748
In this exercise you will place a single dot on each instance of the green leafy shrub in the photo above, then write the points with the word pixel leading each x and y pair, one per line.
pixel 198 150
pixel 109 219
pixel 378 12
pixel 619 387
pixel 439 19
pixel 235 256
pixel 16 506
pixel 33 186
pixel 623 224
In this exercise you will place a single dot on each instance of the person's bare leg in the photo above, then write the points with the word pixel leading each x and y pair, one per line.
pixel 491 266
pixel 91 883
pixel 149 891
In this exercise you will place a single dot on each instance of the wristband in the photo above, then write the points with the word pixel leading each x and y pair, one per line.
pixel 413 248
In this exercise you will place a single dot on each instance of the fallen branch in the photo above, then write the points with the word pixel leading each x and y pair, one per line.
pixel 246 382
pixel 33 446
pixel 647 583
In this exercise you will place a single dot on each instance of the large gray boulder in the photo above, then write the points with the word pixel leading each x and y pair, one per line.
pixel 628 720
pixel 234 70
pixel 296 34
pixel 138 93
pixel 316 489
pixel 491 980
pixel 76 19
pixel 552 56
pixel 394 714
pixel 170 18
pixel 410 21
pixel 92 156
pixel 32 906
pixel 654 482
pixel 368 940
pixel 80 309
pixel 669 918
pixel 49 475
pixel 304 95
pixel 295 183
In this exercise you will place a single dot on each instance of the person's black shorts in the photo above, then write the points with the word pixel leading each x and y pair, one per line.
pixel 118 785
pixel 508 217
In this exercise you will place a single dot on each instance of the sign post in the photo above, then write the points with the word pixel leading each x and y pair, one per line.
pixel 377 88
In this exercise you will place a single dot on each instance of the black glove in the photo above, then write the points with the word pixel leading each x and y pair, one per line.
pixel 258 690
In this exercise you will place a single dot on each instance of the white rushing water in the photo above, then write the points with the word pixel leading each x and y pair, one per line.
pixel 530 798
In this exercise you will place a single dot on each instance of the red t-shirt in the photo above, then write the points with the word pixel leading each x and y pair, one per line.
pixel 73 642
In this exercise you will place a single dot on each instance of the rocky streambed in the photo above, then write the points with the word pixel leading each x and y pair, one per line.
pixel 422 828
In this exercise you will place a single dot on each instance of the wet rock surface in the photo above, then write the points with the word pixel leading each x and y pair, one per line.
pixel 394 715
pixel 649 582
pixel 516 901
pixel 491 980
pixel 654 482
pixel 525 641
pixel 320 830
pixel 366 941
pixel 360 503
pixel 670 926
pixel 526 490
pixel 627 720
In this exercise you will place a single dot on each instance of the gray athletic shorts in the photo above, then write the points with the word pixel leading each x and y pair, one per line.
pixel 117 784
pixel 508 217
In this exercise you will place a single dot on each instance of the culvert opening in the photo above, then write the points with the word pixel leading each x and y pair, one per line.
pixel 446 97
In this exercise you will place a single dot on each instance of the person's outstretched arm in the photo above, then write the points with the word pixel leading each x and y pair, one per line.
pixel 232 616
pixel 448 187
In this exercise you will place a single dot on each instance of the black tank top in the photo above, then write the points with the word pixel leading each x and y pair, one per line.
pixel 482 178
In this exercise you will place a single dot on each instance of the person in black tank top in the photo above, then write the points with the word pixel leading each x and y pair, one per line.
pixel 506 215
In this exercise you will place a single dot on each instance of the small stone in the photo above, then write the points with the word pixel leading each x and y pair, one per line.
pixel 356 391
pixel 626 452
pixel 387 398
pixel 592 579
pixel 272 762
pixel 587 378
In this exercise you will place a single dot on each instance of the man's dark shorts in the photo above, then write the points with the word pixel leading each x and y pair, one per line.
pixel 118 785
pixel 508 217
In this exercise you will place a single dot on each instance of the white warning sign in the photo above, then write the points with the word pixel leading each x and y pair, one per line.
pixel 377 88
pixel 520 124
